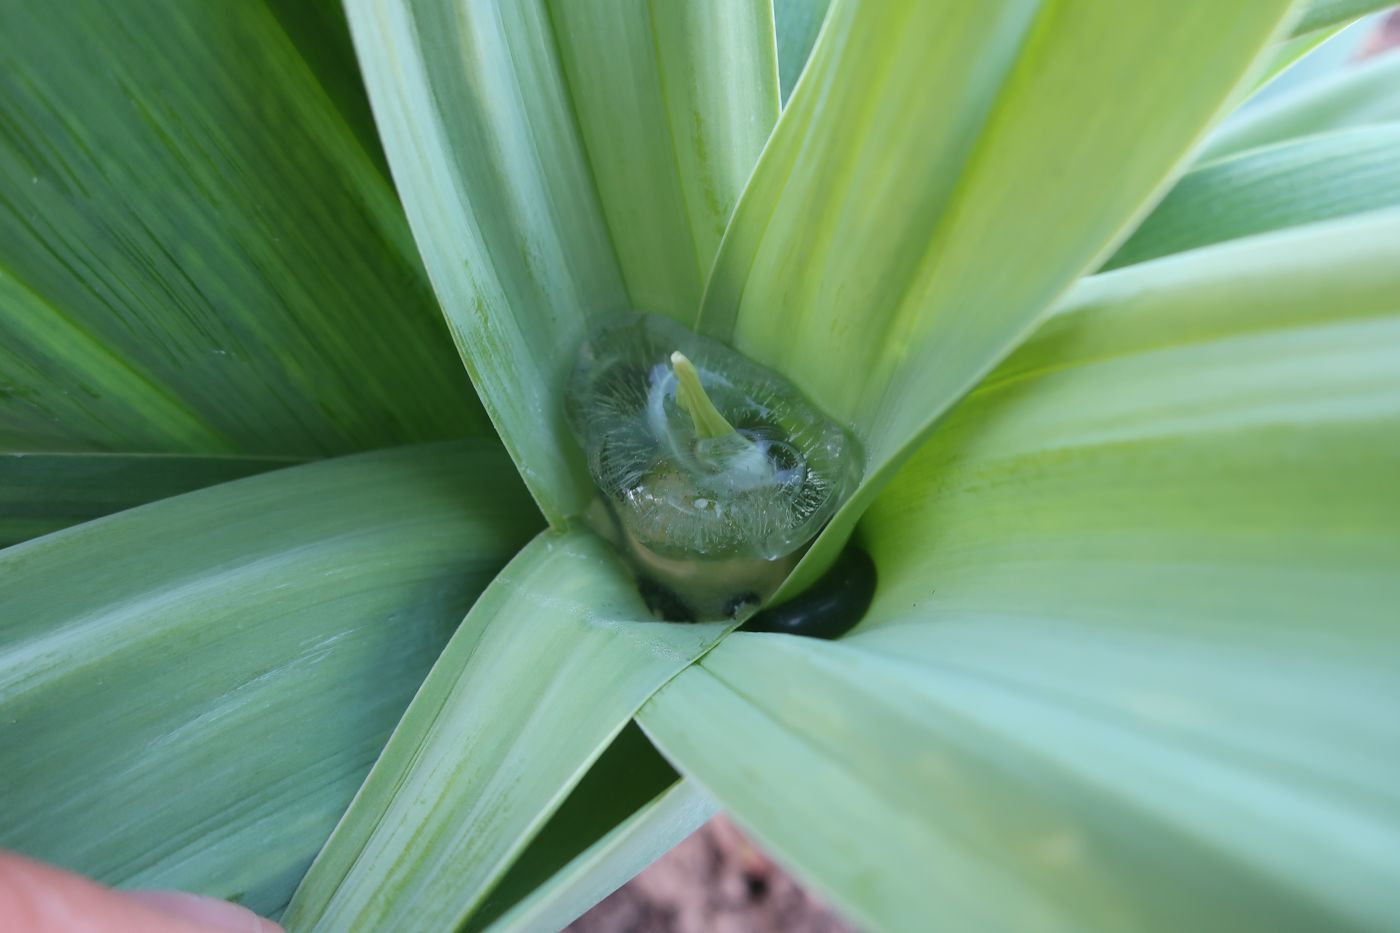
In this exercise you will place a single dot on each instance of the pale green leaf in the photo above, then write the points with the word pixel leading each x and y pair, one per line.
pixel 550 664
pixel 197 252
pixel 1282 59
pixel 1320 14
pixel 1303 59
pixel 191 691
pixel 628 810
pixel 1365 94
pixel 643 838
pixel 41 493
pixel 1131 665
pixel 942 172
pixel 1298 182
pixel 558 160
pixel 674 100
pixel 797 23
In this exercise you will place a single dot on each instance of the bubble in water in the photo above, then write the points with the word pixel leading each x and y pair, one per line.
pixel 699 452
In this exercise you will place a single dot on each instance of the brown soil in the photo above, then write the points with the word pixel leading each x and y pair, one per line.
pixel 714 882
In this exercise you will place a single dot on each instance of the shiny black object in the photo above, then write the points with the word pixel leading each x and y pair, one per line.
pixel 831 607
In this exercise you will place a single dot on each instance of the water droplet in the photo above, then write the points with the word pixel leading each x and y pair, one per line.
pixel 692 501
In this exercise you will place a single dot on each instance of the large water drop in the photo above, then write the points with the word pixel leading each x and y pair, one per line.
pixel 714 504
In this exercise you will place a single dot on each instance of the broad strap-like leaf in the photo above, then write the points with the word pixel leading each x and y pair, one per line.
pixel 674 100
pixel 1282 59
pixel 559 160
pixel 620 855
pixel 940 175
pixel 320 32
pixel 191 691
pixel 628 810
pixel 1363 95
pixel 551 663
pixel 1289 184
pixel 197 251
pixel 1303 59
pixel 1131 665
pixel 635 843
pixel 796 23
pixel 1321 14
pixel 41 493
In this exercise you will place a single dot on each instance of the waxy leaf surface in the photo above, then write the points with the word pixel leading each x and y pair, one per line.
pixel 1363 95
pixel 198 253
pixel 1289 184
pixel 1132 664
pixel 191 691
pixel 550 664
pixel 940 175
pixel 557 161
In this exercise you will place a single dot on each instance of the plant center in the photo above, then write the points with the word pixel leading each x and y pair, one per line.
pixel 713 472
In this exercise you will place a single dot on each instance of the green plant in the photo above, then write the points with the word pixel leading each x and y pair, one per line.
pixel 1131 662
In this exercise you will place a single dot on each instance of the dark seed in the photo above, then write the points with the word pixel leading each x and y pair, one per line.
pixel 831 607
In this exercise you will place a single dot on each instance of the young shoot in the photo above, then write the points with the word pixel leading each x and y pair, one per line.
pixel 713 472
pixel 690 394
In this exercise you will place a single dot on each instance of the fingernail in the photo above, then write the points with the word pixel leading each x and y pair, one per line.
pixel 209 911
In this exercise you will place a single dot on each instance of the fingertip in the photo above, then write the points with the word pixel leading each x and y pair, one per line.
pixel 209 912
pixel 39 898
